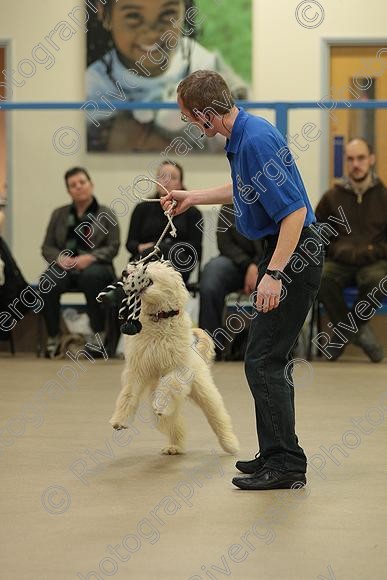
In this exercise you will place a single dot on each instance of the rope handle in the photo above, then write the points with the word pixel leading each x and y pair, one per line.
pixel 112 287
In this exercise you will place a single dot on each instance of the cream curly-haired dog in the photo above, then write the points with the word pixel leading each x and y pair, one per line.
pixel 170 359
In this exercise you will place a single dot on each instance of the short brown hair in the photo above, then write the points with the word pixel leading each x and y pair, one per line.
pixel 205 89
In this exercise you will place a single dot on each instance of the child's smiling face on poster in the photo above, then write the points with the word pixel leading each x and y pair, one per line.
pixel 137 27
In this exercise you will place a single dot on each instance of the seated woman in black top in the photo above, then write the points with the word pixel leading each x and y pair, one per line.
pixel 148 221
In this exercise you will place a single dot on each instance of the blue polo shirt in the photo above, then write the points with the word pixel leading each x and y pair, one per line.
pixel 267 184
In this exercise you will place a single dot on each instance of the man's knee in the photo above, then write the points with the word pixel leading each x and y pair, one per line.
pixel 217 276
pixel 330 283
pixel 253 366
pixel 371 278
pixel 210 285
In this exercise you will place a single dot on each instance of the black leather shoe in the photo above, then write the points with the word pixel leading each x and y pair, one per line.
pixel 271 479
pixel 251 466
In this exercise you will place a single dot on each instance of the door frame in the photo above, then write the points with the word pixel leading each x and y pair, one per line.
pixel 326 44
pixel 7 44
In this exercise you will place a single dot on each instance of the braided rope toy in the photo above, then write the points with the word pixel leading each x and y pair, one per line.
pixel 136 281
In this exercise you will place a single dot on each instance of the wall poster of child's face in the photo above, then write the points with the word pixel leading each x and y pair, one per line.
pixel 139 50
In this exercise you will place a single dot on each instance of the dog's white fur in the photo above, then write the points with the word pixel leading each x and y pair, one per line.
pixel 172 360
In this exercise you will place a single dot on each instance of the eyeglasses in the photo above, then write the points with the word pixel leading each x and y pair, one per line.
pixel 184 118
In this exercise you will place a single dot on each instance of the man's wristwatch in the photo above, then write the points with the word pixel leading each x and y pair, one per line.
pixel 275 274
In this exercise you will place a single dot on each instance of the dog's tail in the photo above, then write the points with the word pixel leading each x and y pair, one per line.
pixel 203 345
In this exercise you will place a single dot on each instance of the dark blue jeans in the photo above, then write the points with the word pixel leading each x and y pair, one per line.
pixel 268 359
pixel 89 281
pixel 219 277
pixel 337 276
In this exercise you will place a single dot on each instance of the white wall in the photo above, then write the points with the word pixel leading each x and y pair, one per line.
pixel 287 66
pixel 290 63
pixel 37 168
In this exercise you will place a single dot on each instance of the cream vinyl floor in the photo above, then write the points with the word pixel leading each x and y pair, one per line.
pixel 79 501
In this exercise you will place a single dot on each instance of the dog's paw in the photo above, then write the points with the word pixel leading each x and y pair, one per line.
pixel 172 450
pixel 117 425
pixel 230 444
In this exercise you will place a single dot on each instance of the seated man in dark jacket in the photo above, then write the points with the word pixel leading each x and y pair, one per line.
pixel 80 243
pixel 357 251
pixel 235 269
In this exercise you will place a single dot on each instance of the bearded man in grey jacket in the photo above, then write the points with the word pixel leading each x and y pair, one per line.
pixel 357 253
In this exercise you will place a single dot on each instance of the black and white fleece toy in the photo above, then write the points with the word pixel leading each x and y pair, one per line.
pixel 134 279
pixel 129 289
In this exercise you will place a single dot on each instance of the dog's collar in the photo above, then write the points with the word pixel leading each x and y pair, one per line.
pixel 159 315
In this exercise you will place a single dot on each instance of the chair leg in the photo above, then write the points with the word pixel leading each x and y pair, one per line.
pixel 39 345
pixel 11 344
pixel 112 330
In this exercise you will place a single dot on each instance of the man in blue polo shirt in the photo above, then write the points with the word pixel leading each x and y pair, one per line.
pixel 270 203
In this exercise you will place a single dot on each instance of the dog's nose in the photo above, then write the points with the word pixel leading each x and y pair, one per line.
pixel 124 273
